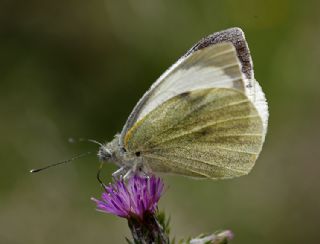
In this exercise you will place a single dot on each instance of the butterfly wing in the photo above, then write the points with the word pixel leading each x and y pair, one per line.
pixel 213 132
pixel 219 60
pixel 252 88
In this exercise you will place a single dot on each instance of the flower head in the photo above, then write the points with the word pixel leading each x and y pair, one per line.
pixel 134 198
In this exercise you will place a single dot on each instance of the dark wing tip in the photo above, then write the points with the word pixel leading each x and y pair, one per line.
pixel 234 35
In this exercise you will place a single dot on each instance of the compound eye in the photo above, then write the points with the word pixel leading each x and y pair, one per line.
pixel 104 154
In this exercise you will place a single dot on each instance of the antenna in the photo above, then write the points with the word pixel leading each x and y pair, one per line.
pixel 72 140
pixel 62 162
pixel 93 141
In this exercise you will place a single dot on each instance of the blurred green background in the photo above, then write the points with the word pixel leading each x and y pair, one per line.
pixel 76 69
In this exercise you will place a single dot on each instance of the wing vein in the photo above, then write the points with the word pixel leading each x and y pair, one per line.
pixel 195 110
pixel 213 147
pixel 206 126
pixel 197 160
pixel 180 164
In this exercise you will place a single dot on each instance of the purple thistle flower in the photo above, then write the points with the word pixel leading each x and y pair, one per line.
pixel 134 198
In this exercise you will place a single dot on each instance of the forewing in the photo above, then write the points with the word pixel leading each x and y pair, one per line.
pixel 214 66
pixel 220 60
pixel 213 133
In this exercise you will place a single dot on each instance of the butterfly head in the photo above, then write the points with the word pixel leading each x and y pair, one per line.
pixel 110 151
pixel 104 153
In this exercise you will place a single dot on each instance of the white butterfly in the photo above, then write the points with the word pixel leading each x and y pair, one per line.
pixel 205 117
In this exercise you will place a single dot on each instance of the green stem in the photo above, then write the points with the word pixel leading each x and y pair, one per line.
pixel 148 230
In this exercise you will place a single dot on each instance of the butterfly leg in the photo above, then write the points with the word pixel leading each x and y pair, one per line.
pixel 128 174
pixel 121 172
pixel 142 169
pixel 137 169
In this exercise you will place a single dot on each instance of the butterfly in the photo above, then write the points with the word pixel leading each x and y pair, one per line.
pixel 205 117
